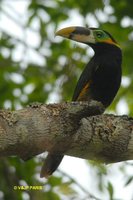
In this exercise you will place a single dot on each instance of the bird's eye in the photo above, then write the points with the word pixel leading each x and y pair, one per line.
pixel 99 34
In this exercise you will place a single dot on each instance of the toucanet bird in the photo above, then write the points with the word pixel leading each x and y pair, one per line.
pixel 101 78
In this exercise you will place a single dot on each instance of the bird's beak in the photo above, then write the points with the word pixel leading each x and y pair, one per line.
pixel 77 33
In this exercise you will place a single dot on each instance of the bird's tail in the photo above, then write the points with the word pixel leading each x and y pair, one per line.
pixel 50 165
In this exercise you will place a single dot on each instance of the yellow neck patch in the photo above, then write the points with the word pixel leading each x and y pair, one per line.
pixel 109 41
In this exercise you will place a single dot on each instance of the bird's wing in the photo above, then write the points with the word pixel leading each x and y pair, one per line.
pixel 84 82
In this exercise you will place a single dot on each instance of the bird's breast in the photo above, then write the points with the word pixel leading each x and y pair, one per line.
pixel 105 83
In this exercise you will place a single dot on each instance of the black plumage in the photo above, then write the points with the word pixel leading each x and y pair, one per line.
pixel 102 74
pixel 101 78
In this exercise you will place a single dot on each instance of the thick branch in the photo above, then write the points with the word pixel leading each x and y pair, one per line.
pixel 67 128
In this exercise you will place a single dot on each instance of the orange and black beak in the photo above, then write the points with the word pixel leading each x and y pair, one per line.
pixel 77 33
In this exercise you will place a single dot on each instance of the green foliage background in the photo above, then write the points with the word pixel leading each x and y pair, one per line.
pixel 47 70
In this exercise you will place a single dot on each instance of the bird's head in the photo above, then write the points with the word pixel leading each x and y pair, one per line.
pixel 91 36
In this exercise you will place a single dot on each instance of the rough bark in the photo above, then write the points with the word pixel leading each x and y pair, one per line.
pixel 75 129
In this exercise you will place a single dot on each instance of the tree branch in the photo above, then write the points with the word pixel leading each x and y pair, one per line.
pixel 66 128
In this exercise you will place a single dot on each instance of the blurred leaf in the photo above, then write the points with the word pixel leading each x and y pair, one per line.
pixel 55 181
pixel 110 190
pixel 129 180
pixel 67 189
